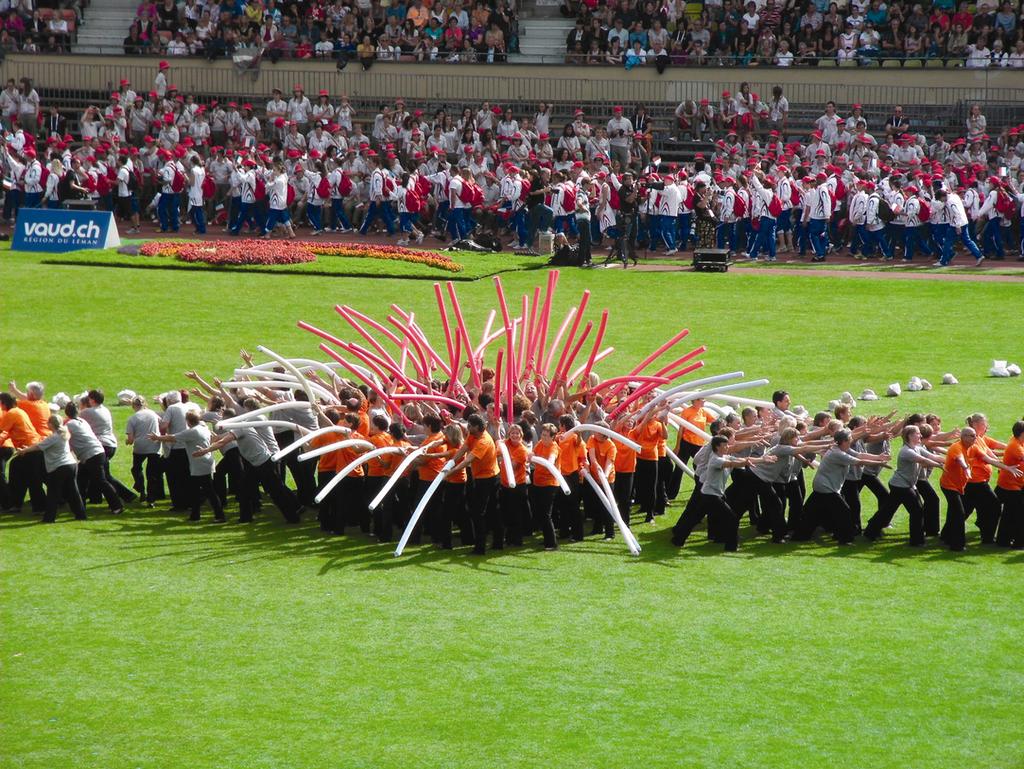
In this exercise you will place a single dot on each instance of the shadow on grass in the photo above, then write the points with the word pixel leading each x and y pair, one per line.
pixel 149 535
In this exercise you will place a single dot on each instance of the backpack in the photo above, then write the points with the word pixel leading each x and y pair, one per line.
pixel 569 197
pixel 259 191
pixel 775 206
pixel 466 192
pixel 524 191
pixel 44 176
pixel 413 202
pixel 290 195
pixel 885 212
pixel 102 185
pixel 133 183
pixel 739 206
pixel 208 187
pixel 691 198
pixel 177 181
pixel 344 185
pixel 795 198
pixel 1004 204
pixel 323 188
pixel 388 186
pixel 925 212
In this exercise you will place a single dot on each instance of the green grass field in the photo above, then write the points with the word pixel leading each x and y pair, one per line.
pixel 144 641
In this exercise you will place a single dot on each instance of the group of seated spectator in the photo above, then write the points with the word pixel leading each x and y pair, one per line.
pixel 343 30
pixel 787 33
pixel 39 26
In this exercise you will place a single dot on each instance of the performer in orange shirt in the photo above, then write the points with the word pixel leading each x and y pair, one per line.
pixel 453 493
pixel 648 434
pixel 978 495
pixel 396 507
pixel 601 452
pixel 428 465
pixel 514 504
pixel 572 461
pixel 351 509
pixel 544 486
pixel 1010 491
pixel 625 468
pixel 327 468
pixel 689 442
pixel 955 473
pixel 480 453
pixel 28 470
pixel 377 476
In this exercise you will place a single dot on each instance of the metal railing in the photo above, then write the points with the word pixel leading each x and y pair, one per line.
pixel 83 76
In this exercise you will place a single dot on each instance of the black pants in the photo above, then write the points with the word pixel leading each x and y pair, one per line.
pixel 5 498
pixel 851 495
pixel 514 505
pixel 452 511
pixel 304 473
pixel 570 516
pixel 176 467
pixel 352 510
pixel 484 514
pixel 954 532
pixel 727 523
pixel 328 513
pixel 796 493
pixel 123 491
pixel 692 509
pixel 542 500
pixel 583 225
pixel 899 495
pixel 427 521
pixel 742 496
pixel 147 476
pixel 623 491
pixel 91 475
pixel 202 488
pixel 646 480
pixel 685 452
pixel 61 484
pixel 771 517
pixel 1011 519
pixel 979 497
pixel 382 524
pixel 266 475
pixel 26 475
pixel 594 507
pixel 228 475
pixel 829 511
pixel 930 502
pixel 661 487
pixel 876 487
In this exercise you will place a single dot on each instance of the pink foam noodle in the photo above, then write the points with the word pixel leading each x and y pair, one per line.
pixel 420 361
pixel 396 409
pixel 321 333
pixel 531 331
pixel 645 389
pixel 473 368
pixel 487 328
pixel 664 371
pixel 655 355
pixel 435 359
pixel 644 379
pixel 572 334
pixel 600 357
pixel 497 383
pixel 351 316
pixel 544 365
pixel 560 374
pixel 409 384
pixel 545 316
pixel 456 365
pixel 430 399
pixel 521 355
pixel 510 361
pixel 444 322
pixel 597 345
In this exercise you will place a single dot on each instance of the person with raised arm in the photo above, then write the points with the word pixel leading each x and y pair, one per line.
pixel 194 438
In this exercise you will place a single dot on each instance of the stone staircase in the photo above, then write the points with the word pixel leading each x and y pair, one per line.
pixel 105 26
pixel 542 39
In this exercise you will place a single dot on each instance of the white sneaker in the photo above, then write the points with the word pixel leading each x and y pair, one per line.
pixel 402 242
pixel 419 238
pixel 673 251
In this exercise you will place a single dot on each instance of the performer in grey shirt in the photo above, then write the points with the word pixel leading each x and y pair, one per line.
pixel 912 458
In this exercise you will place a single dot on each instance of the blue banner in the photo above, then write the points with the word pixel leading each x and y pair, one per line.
pixel 56 230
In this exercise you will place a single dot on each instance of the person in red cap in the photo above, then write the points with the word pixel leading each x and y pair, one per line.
pixel 997 205
pixel 380 188
pixel 172 183
pixel 817 214
pixel 866 215
pixel 277 201
pixel 160 81
pixel 620 136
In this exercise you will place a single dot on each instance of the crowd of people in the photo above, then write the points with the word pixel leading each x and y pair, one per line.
pixel 363 31
pixel 886 190
pixel 192 448
pixel 39 26
pixel 786 33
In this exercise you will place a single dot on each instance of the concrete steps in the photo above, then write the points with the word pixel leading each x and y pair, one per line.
pixel 542 40
pixel 104 27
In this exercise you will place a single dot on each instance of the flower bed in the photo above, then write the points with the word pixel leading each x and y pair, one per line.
pixel 263 252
